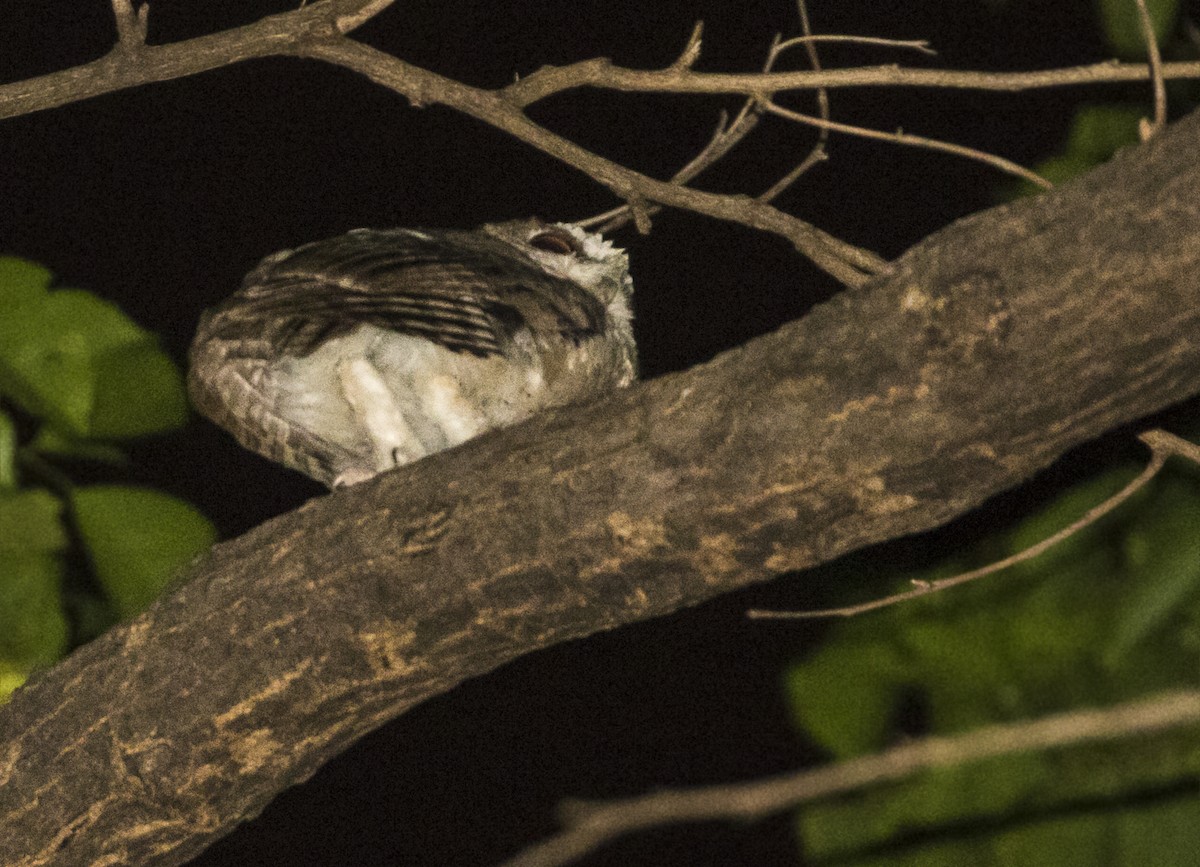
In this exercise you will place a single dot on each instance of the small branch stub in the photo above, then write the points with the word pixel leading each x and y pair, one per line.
pixel 131 24
pixel 691 52
pixel 360 16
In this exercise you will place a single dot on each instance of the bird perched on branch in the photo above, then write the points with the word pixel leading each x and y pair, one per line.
pixel 346 357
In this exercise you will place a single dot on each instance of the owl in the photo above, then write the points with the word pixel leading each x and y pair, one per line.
pixel 346 357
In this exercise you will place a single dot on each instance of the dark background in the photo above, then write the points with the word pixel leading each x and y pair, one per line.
pixel 160 198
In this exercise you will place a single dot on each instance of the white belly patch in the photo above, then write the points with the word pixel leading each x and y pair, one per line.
pixel 375 407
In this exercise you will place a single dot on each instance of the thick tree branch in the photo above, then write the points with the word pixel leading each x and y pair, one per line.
pixel 994 346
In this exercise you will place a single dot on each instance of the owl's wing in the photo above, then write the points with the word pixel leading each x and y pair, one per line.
pixel 460 290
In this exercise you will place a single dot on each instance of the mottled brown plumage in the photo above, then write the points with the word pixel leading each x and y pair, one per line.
pixel 348 356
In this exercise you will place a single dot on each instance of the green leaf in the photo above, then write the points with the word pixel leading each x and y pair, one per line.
pixel 1098 787
pixel 33 628
pixel 46 373
pixel 143 370
pixel 1109 615
pixel 73 359
pixel 1162 560
pixel 844 698
pixel 138 540
pixel 100 322
pixel 941 796
pixel 8 453
pixel 12 676
pixel 21 280
pixel 31 521
pixel 1163 832
pixel 1123 28
pixel 1062 167
pixel 1099 131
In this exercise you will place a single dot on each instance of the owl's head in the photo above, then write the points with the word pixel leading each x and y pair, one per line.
pixel 567 251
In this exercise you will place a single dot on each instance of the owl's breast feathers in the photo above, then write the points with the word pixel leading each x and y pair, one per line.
pixel 261 361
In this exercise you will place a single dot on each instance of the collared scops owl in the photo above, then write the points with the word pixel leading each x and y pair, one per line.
pixel 346 357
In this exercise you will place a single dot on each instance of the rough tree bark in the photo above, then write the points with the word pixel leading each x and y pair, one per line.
pixel 994 346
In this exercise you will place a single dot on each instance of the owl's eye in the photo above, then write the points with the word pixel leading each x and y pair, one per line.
pixel 555 242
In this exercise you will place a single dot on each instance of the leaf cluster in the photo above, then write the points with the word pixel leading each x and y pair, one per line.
pixel 1109 615
pixel 77 377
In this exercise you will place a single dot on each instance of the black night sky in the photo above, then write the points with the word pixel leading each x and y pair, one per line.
pixel 160 198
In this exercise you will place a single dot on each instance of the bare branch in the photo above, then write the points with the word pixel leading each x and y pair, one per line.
pixel 1156 71
pixel 921 45
pixel 278 35
pixel 599 72
pixel 316 31
pixel 1166 443
pixel 843 261
pixel 307 32
pixel 817 153
pixel 723 140
pixel 271 36
pixel 900 137
pixel 591 825
pixel 691 52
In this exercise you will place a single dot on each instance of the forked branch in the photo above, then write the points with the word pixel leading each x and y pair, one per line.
pixel 319 31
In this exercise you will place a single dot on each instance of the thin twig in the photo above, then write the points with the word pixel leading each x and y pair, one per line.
pixel 817 153
pixel 591 825
pixel 719 143
pixel 728 135
pixel 600 73
pixel 921 45
pixel 1162 445
pixel 691 52
pixel 901 137
pixel 1161 441
pixel 1156 73
pixel 724 138
pixel 306 32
